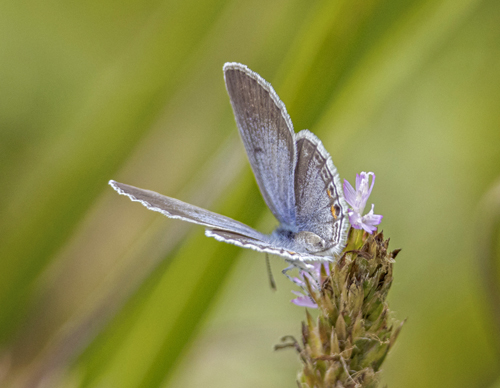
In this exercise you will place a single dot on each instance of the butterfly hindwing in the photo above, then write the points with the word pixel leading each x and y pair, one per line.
pixel 320 204
pixel 262 245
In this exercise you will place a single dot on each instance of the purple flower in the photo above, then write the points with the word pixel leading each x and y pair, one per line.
pixel 314 278
pixel 357 200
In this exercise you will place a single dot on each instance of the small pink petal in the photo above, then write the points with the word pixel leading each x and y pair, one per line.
pixel 349 193
pixel 304 301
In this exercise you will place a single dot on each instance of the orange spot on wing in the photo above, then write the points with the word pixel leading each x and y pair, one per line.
pixel 334 213
pixel 332 208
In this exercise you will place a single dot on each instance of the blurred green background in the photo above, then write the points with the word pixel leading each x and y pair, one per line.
pixel 96 291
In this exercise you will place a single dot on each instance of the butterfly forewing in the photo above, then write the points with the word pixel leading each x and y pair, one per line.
pixel 320 205
pixel 267 133
pixel 174 208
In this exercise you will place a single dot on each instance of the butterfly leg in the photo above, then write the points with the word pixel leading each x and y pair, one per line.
pixel 270 273
pixel 284 272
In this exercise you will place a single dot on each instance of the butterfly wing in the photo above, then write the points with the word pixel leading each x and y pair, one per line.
pixel 268 136
pixel 174 208
pixel 219 227
pixel 319 199
pixel 263 245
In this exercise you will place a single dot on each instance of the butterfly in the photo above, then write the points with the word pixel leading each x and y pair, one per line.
pixel 294 172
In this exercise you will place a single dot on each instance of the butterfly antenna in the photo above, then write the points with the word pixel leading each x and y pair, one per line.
pixel 270 274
